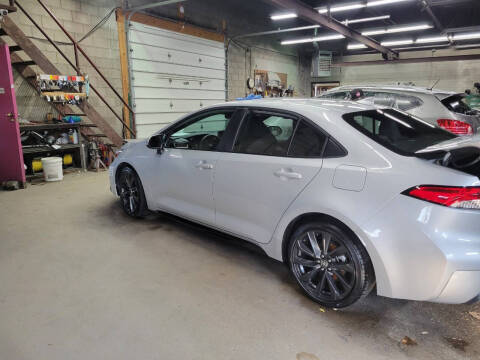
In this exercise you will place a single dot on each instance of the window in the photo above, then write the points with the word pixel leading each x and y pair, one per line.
pixel 457 104
pixel 397 131
pixel 393 100
pixel 341 95
pixel 202 133
pixel 262 133
pixel 307 142
pixel 407 102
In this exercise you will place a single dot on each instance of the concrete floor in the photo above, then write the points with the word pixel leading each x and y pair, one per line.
pixel 80 280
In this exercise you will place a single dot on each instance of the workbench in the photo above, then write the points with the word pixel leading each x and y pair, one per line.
pixel 34 151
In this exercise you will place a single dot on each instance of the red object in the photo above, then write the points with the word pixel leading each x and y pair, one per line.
pixel 456 127
pixel 11 154
pixel 451 196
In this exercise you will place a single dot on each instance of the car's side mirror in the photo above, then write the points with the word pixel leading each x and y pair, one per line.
pixel 157 142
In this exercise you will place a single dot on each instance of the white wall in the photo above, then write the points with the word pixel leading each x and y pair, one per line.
pixel 453 75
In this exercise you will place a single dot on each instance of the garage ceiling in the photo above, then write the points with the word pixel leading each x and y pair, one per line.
pixel 445 16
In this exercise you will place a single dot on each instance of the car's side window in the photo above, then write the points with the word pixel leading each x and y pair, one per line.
pixel 263 133
pixel 407 102
pixel 341 95
pixel 368 123
pixel 307 142
pixel 384 99
pixel 204 133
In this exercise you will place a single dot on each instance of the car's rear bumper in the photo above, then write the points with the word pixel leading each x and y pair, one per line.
pixel 463 286
pixel 424 251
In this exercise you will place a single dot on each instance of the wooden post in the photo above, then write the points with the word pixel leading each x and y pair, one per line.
pixel 122 45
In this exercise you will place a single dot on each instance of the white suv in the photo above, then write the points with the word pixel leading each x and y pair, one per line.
pixel 445 109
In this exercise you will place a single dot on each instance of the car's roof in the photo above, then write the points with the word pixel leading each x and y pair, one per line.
pixel 401 88
pixel 300 105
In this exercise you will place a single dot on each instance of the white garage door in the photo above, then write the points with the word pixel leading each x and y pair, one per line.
pixel 173 74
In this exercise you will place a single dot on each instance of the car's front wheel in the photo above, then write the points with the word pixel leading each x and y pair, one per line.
pixel 130 190
pixel 329 265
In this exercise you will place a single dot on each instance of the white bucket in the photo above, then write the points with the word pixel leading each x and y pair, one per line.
pixel 52 168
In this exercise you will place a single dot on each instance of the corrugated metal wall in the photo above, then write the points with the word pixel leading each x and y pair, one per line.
pixel 172 74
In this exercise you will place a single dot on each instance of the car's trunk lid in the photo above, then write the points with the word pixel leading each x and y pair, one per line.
pixel 461 153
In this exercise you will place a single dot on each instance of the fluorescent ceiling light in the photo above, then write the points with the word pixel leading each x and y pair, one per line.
pixel 396 29
pixel 355 21
pixel 467 36
pixel 283 16
pixel 342 8
pixel 433 39
pixel 383 2
pixel 356 46
pixel 318 38
pixel 397 42
pixel 354 6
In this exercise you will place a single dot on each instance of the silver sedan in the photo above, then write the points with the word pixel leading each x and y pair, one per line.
pixel 349 196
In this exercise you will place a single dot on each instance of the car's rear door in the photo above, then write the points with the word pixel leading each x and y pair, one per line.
pixel 274 156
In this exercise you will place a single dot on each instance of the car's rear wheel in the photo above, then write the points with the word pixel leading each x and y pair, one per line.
pixel 329 265
pixel 130 190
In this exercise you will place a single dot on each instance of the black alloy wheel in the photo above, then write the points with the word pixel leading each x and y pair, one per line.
pixel 329 266
pixel 130 190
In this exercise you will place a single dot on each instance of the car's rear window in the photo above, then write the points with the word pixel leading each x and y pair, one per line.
pixel 457 104
pixel 397 131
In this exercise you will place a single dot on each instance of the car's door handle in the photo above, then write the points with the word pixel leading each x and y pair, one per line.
pixel 287 174
pixel 204 165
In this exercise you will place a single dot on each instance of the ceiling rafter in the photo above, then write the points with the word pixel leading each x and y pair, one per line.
pixel 311 15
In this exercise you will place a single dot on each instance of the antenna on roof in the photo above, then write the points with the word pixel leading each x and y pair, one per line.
pixel 436 82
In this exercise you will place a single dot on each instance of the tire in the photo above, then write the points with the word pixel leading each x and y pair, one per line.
pixel 329 265
pixel 130 190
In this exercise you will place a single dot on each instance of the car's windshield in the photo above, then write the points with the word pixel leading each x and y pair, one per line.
pixel 396 130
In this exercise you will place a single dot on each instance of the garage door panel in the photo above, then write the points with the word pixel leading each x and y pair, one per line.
pixel 176 35
pixel 175 105
pixel 179 36
pixel 173 74
pixel 159 118
pixel 146 52
pixel 176 82
pixel 175 44
pixel 162 68
pixel 158 93
pixel 145 131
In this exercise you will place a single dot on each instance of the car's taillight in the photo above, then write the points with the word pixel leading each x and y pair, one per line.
pixel 451 196
pixel 456 127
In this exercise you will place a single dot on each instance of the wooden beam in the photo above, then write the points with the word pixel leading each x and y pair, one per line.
pixel 179 27
pixel 122 45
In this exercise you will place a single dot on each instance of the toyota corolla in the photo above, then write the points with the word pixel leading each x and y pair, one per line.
pixel 349 196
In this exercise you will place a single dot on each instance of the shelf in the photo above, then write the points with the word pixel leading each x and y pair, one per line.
pixel 59 126
pixel 47 149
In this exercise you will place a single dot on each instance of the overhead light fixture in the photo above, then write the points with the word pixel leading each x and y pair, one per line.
pixel 356 46
pixel 375 18
pixel 354 6
pixel 397 42
pixel 383 2
pixel 314 39
pixel 433 39
pixel 467 36
pixel 283 16
pixel 342 8
pixel 396 29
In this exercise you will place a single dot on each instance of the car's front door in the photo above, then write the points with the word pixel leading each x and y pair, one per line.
pixel 258 180
pixel 184 170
